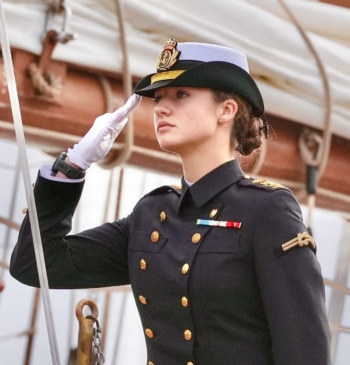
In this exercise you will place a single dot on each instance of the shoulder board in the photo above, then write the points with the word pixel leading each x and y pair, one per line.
pixel 261 183
pixel 165 189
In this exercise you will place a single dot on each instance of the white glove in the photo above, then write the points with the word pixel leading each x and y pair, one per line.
pixel 97 142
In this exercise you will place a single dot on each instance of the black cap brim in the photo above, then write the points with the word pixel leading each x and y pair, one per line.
pixel 215 75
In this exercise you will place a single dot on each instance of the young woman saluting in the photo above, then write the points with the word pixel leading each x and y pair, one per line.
pixel 212 278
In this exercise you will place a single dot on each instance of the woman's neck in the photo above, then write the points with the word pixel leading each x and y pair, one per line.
pixel 197 166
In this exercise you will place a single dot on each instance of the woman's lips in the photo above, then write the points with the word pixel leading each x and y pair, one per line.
pixel 163 126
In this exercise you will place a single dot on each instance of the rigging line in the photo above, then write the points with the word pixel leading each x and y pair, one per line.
pixel 322 159
pixel 126 150
pixel 126 70
pixel 17 119
pixel 10 218
pixel 127 85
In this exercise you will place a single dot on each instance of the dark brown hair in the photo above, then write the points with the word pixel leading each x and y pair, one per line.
pixel 248 130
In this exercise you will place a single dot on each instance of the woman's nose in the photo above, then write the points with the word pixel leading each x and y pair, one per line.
pixel 162 107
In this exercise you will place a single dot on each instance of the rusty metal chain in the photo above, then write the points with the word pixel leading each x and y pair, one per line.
pixel 96 341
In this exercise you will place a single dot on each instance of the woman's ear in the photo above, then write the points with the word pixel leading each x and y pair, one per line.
pixel 228 111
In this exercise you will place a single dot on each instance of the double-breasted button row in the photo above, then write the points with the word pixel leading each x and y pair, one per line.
pixel 196 237
pixel 187 334
pixel 184 268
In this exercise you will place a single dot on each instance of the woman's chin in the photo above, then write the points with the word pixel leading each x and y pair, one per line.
pixel 167 144
pixel 170 147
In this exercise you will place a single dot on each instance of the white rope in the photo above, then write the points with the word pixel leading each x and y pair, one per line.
pixel 321 159
pixel 23 160
pixel 126 151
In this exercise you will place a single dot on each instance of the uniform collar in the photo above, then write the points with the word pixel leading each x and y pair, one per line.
pixel 211 184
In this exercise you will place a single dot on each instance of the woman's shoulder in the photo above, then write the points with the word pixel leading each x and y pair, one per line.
pixel 261 184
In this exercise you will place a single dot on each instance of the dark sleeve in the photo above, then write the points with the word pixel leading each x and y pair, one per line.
pixel 291 285
pixel 93 258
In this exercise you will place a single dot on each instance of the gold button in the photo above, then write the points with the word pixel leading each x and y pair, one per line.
pixel 162 216
pixel 149 333
pixel 213 213
pixel 143 264
pixel 184 302
pixel 190 363
pixel 188 335
pixel 25 210
pixel 155 236
pixel 185 268
pixel 196 238
pixel 150 363
pixel 143 299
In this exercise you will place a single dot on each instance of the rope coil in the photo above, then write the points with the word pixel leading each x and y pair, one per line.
pixel 44 84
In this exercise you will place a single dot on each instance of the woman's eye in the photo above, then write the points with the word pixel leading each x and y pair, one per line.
pixel 181 94
pixel 176 95
pixel 156 99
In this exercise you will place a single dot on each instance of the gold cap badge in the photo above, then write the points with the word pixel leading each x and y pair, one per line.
pixel 169 56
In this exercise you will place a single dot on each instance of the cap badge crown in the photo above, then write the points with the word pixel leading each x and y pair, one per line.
pixel 169 56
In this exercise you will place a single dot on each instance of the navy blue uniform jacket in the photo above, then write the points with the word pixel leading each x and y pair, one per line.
pixel 207 295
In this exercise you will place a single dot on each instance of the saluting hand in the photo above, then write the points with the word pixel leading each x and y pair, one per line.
pixel 95 145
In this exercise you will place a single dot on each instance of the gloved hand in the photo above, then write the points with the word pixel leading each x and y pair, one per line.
pixel 95 145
